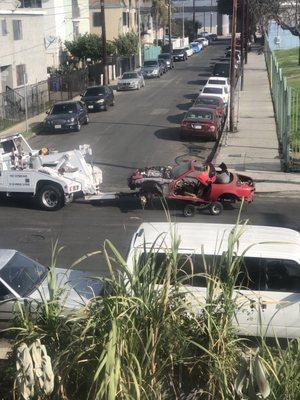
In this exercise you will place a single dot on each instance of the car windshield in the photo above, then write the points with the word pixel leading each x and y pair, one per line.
pixel 164 56
pixel 199 115
pixel 67 108
pixel 22 274
pixel 150 63
pixel 216 82
pixel 95 91
pixel 180 169
pixel 177 51
pixel 213 90
pixel 206 101
pixel 130 75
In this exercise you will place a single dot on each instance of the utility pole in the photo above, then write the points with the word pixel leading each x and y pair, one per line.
pixel 25 100
pixel 139 33
pixel 194 19
pixel 104 47
pixel 232 66
pixel 183 35
pixel 170 26
pixel 242 44
pixel 246 31
pixel 211 14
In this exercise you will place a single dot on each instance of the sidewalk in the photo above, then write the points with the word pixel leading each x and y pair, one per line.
pixel 253 150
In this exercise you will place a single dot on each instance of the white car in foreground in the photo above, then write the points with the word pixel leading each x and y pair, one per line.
pixel 267 290
pixel 216 91
pixel 23 279
pixel 219 81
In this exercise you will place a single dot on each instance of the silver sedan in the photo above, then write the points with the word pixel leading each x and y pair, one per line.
pixel 131 81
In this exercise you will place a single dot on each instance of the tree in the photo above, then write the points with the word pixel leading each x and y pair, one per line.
pixel 159 12
pixel 127 44
pixel 189 27
pixel 88 45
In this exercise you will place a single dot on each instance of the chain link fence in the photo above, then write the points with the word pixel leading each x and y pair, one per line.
pixel 286 106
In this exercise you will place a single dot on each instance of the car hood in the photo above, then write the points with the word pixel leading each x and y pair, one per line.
pixel 60 116
pixel 128 80
pixel 92 98
pixel 78 288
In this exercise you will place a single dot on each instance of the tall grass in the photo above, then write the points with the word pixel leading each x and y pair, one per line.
pixel 143 340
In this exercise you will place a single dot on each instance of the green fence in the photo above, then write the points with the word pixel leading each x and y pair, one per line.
pixel 286 102
pixel 151 52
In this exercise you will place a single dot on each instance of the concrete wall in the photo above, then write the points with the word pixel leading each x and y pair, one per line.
pixel 30 50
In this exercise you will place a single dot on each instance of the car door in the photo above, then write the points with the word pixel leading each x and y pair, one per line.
pixel 280 298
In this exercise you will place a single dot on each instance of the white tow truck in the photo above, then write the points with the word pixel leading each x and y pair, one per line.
pixel 52 178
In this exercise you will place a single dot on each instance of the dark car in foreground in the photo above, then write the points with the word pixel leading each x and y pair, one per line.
pixel 98 98
pixel 222 69
pixel 179 55
pixel 167 57
pixel 203 123
pixel 66 116
pixel 212 102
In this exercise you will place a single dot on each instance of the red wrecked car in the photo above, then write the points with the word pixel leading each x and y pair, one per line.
pixel 195 183
pixel 212 102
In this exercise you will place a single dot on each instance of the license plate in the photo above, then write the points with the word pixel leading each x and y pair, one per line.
pixel 90 107
pixel 198 126
pixel 57 126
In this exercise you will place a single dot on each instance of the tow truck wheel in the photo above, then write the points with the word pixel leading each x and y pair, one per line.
pixel 50 198
pixel 189 210
pixel 216 208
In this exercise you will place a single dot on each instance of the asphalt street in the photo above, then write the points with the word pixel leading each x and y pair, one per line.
pixel 142 129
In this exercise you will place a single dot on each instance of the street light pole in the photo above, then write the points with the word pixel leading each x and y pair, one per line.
pixel 183 23
pixel 194 19
pixel 104 47
pixel 170 26
pixel 242 44
pixel 139 33
pixel 211 16
pixel 232 66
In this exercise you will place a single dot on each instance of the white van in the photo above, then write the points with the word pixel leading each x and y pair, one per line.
pixel 268 287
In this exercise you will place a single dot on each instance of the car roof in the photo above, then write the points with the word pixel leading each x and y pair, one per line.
pixel 262 241
pixel 66 102
pixel 219 78
pixel 214 86
pixel 5 256
pixel 195 108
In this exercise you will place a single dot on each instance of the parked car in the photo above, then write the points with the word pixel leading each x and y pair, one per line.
pixel 222 69
pixel 266 291
pixel 179 55
pixel 203 41
pixel 213 36
pixel 152 69
pixel 98 98
pixel 196 46
pixel 167 57
pixel 22 278
pixel 131 81
pixel 216 91
pixel 201 122
pixel 162 63
pixel 212 102
pixel 189 51
pixel 217 81
pixel 66 116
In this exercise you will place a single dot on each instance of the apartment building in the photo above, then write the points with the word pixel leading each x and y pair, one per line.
pixel 63 20
pixel 22 46
pixel 120 17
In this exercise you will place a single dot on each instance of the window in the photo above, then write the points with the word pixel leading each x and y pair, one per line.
pixel 3 27
pixel 97 19
pixel 30 4
pixel 17 28
pixel 21 71
pixel 126 19
pixel 4 292
pixel 281 275
pixel 75 29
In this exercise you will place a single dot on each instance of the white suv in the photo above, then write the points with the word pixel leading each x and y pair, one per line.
pixel 216 91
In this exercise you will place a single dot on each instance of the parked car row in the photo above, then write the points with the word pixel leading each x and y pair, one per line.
pixel 205 119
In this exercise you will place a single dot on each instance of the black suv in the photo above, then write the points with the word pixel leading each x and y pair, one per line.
pixel 179 55
pixel 66 116
pixel 98 98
